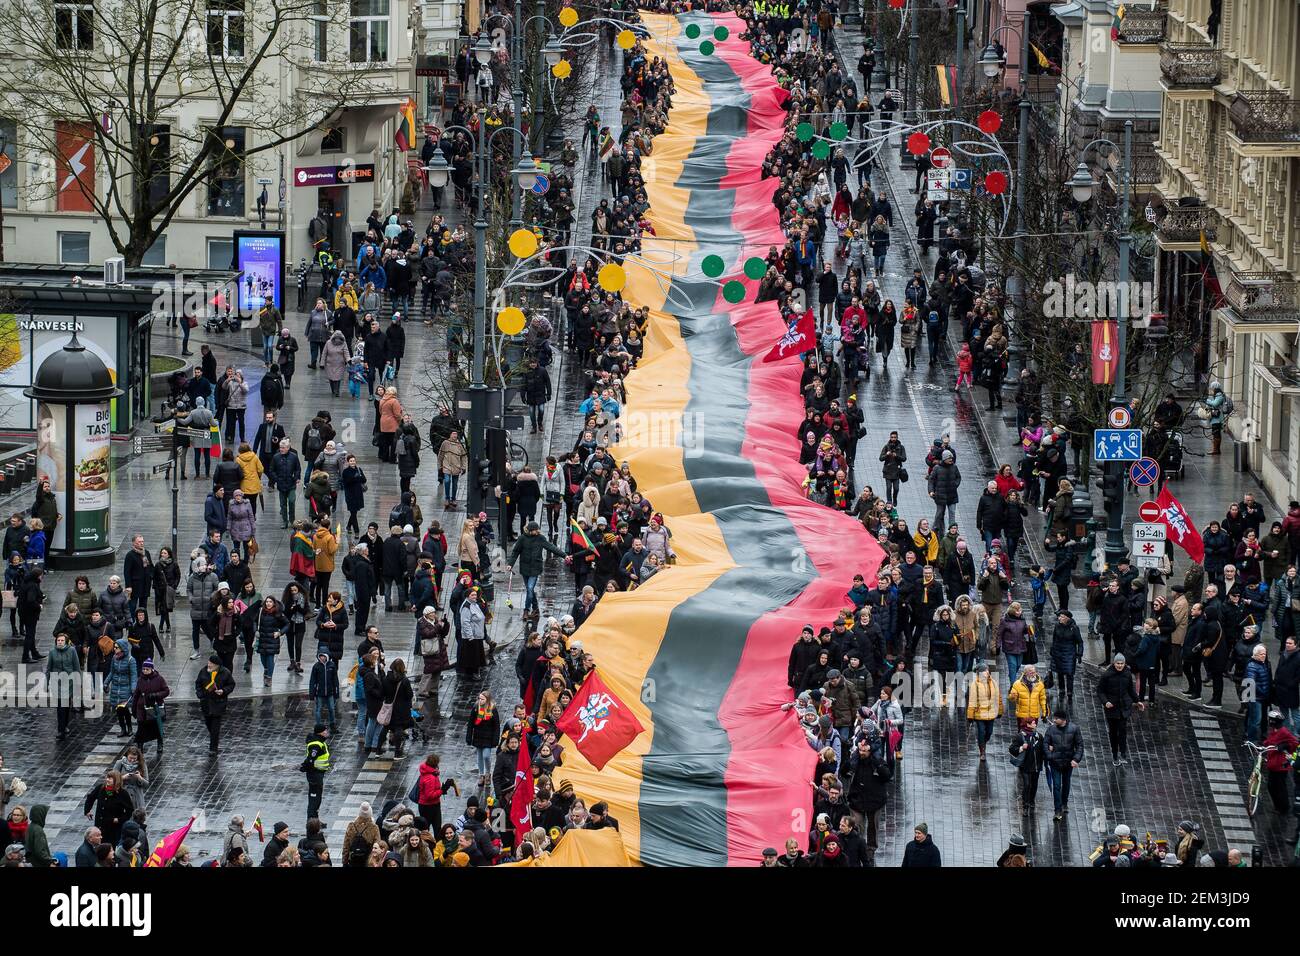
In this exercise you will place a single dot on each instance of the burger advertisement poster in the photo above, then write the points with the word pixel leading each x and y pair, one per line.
pixel 86 476
pixel 91 450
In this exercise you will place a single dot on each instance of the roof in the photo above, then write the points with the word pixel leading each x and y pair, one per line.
pixel 32 284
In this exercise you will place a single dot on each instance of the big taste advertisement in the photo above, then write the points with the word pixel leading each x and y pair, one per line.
pixel 86 513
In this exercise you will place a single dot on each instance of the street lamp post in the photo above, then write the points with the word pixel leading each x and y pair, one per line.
pixel 909 93
pixel 961 46
pixel 517 99
pixel 882 68
pixel 992 64
pixel 525 174
pixel 1081 187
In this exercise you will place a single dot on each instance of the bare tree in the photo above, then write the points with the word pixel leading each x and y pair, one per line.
pixel 126 76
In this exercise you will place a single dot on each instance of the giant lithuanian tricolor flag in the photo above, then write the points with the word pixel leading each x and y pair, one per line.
pixel 700 651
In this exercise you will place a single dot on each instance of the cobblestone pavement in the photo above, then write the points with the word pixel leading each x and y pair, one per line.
pixel 1185 764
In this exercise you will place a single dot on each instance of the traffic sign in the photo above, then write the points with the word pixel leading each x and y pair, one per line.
pixel 961 179
pixel 193 434
pixel 1119 417
pixel 940 177
pixel 1149 511
pixel 940 157
pixel 936 194
pixel 5 162
pixel 1142 559
pixel 541 184
pixel 1149 531
pixel 1117 444
pixel 1144 472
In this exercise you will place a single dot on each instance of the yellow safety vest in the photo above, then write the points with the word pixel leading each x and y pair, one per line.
pixel 322 761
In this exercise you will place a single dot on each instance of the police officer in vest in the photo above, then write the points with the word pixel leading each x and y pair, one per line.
pixel 315 766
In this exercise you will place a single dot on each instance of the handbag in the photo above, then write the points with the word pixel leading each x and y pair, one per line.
pixel 252 549
pixel 8 599
pixel 192 321
pixel 902 475
pixel 385 715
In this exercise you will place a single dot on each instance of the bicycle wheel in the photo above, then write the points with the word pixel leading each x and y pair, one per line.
pixel 1252 790
pixel 518 456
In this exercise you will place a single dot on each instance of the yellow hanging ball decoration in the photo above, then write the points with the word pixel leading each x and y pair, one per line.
pixel 562 69
pixel 510 320
pixel 523 243
pixel 611 277
pixel 626 40
pixel 568 17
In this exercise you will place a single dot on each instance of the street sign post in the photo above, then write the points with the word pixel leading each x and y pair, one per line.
pixel 1117 444
pixel 936 184
pixel 1144 472
pixel 1149 511
pixel 941 157
pixel 961 179
pixel 145 444
pixel 1148 544
pixel 1119 417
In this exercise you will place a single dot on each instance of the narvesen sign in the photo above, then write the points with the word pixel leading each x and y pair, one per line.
pixel 50 325
pixel 334 175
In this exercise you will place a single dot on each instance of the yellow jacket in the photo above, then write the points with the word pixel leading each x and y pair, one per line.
pixel 251 466
pixel 983 699
pixel 927 546
pixel 326 547
pixel 345 296
pixel 1028 703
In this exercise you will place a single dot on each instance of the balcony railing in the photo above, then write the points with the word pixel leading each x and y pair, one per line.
pixel 1266 116
pixel 1143 26
pixel 1190 65
pixel 1261 296
pixel 1182 224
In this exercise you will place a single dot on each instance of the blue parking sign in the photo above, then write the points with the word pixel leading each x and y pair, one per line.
pixel 961 179
pixel 1117 444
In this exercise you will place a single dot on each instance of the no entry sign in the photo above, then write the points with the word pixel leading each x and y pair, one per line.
pixel 1149 511
pixel 940 157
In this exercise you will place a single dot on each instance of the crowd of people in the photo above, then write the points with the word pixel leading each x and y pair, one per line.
pixel 940 609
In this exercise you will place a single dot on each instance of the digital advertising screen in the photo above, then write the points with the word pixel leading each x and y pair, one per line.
pixel 259 260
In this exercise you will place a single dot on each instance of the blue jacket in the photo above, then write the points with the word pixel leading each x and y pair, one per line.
pixel 36 546
pixel 121 675
pixel 1258 673
pixel 218 555
pixel 373 274
pixel 1148 649
pixel 286 470
pixel 214 513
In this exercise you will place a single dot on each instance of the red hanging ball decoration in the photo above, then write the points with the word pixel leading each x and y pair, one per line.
pixel 995 183
pixel 989 121
pixel 918 144
pixel 897 4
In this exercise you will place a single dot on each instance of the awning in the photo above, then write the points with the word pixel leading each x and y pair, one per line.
pixel 1284 379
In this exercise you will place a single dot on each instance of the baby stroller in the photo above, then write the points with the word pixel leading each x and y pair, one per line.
pixel 416 731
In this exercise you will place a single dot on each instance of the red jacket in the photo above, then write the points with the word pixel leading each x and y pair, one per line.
pixel 431 787
pixel 1285 743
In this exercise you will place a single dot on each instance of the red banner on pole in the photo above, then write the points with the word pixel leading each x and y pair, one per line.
pixel 1179 524
pixel 1105 352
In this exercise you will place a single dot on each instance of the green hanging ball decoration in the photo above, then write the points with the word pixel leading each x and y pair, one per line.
pixel 734 292
pixel 713 266
pixel 839 131
pixel 804 132
pixel 707 48
pixel 755 268
pixel 721 33
pixel 821 149
pixel 692 30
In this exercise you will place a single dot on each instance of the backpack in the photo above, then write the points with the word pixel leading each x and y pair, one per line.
pixel 398 516
pixel 1228 405
pixel 359 851
pixel 314 444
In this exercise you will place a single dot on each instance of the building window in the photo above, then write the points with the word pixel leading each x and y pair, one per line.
pixel 368 31
pixel 157 164
pixel 157 254
pixel 74 248
pixel 226 176
pixel 221 253
pixel 226 29
pixel 320 23
pixel 9 149
pixel 333 141
pixel 74 25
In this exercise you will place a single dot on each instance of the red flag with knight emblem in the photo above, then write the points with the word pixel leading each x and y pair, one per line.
pixel 521 799
pixel 800 337
pixel 599 724
pixel 1181 530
